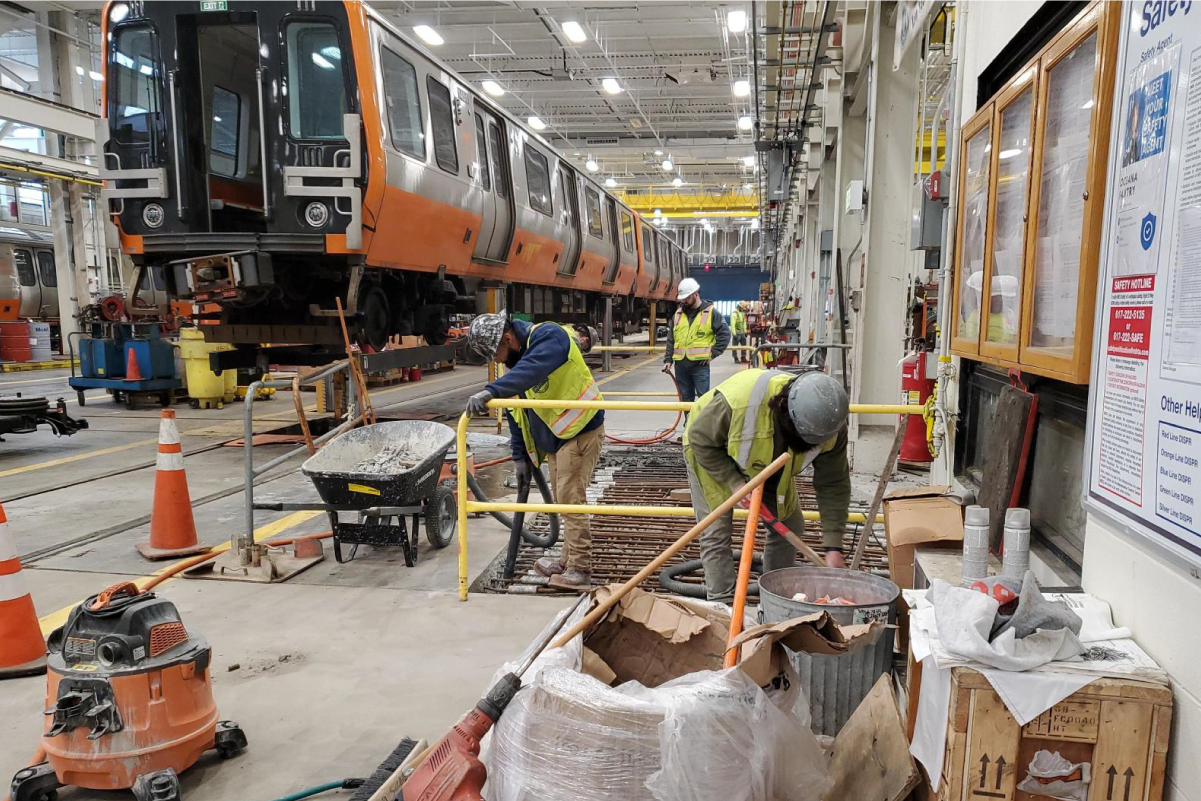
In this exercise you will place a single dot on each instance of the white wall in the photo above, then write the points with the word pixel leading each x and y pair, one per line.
pixel 987 27
pixel 1160 604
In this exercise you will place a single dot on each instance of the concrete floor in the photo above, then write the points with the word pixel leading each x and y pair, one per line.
pixel 336 665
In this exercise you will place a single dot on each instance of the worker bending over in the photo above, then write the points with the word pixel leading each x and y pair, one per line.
pixel 739 428
pixel 738 329
pixel 545 363
pixel 698 335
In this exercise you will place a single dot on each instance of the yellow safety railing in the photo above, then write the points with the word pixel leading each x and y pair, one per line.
pixel 467 507
pixel 651 348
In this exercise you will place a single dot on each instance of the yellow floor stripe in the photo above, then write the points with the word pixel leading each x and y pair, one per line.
pixel 55 619
pixel 77 457
pixel 43 380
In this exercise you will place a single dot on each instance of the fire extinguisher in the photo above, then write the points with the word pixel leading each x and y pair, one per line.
pixel 915 389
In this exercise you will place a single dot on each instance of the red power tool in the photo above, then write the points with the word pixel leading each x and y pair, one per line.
pixel 453 771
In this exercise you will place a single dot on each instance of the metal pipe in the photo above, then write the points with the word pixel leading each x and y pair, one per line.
pixel 626 510
pixel 607 359
pixel 461 491
pixel 678 406
pixel 248 463
pixel 602 608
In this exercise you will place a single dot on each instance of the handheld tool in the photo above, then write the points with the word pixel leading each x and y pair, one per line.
pixel 452 770
pixel 784 531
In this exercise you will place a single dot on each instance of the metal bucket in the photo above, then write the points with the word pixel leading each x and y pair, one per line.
pixel 834 685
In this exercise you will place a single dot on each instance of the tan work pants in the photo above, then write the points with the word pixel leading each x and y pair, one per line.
pixel 570 473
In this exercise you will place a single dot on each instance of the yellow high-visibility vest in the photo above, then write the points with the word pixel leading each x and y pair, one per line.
pixel 693 340
pixel 571 380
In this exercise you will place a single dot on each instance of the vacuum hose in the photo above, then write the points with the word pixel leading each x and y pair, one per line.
pixel 669 578
pixel 538 541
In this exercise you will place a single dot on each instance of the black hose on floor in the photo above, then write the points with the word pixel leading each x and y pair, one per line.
pixel 538 541
pixel 669 578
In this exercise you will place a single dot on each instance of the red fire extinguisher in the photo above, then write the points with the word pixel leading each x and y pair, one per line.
pixel 915 389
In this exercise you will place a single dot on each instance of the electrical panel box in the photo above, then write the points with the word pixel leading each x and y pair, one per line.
pixel 854 197
pixel 925 229
pixel 777 174
pixel 826 244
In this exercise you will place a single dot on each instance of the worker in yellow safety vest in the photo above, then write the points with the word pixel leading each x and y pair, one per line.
pixel 698 334
pixel 738 329
pixel 545 362
pixel 743 425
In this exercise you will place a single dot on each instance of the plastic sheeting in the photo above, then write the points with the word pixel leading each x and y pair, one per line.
pixel 712 735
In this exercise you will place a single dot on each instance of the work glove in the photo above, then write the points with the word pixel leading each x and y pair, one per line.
pixel 477 404
pixel 523 469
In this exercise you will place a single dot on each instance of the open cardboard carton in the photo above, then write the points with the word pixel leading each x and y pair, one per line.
pixel 919 516
pixel 644 695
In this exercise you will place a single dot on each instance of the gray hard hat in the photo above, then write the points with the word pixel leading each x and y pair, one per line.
pixel 592 334
pixel 818 406
pixel 485 334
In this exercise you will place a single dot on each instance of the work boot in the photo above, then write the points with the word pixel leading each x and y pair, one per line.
pixel 550 565
pixel 572 579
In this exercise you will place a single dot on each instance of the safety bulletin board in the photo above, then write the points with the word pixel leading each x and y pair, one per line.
pixel 1144 432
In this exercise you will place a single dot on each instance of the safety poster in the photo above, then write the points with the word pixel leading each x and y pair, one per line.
pixel 1145 415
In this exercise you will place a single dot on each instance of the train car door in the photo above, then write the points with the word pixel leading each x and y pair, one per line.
pixel 496 230
pixel 571 214
pixel 31 290
pixel 614 234
pixel 483 178
pixel 48 278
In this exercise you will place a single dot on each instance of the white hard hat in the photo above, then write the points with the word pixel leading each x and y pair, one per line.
pixel 688 288
pixel 1004 285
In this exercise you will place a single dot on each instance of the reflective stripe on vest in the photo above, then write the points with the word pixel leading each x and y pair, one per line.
pixel 569 416
pixel 693 340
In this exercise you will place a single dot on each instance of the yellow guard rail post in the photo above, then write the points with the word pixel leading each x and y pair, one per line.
pixel 466 506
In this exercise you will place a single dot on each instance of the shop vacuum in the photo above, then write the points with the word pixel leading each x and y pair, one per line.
pixel 129 701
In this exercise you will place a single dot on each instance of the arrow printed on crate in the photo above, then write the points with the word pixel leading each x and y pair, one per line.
pixel 983 769
pixel 1111 772
pixel 984 763
pixel 1000 770
pixel 1129 774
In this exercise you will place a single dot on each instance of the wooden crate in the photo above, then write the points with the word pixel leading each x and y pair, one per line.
pixel 1120 727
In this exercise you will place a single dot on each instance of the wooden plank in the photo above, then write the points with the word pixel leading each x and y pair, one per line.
pixel 990 765
pixel 1120 760
pixel 1007 432
pixel 870 756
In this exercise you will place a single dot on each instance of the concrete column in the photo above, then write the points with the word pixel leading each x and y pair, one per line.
pixel 880 324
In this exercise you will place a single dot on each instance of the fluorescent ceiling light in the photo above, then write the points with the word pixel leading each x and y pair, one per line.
pixel 748 186
pixel 677 181
pixel 611 86
pixel 748 161
pixel 610 182
pixel 736 21
pixel 322 62
pixel 746 122
pixel 591 165
pixel 1008 154
pixel 95 76
pixel 78 70
pixel 742 88
pixel 146 69
pixel 658 212
pixel 216 118
pixel 428 35
pixel 755 224
pixel 118 12
pixel 668 166
pixel 536 123
pixel 1089 104
pixel 658 152
pixel 493 88
pixel 574 31
pixel 331 52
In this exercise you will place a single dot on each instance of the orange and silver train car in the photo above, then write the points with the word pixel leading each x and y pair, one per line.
pixel 274 156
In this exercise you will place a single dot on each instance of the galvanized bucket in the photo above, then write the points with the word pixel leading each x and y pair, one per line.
pixel 834 685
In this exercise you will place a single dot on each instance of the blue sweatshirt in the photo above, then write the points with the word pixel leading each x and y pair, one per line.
pixel 547 351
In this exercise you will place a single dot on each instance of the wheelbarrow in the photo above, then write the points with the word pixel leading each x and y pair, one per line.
pixel 388 474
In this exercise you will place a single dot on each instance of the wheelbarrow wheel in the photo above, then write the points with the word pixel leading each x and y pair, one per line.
pixel 441 516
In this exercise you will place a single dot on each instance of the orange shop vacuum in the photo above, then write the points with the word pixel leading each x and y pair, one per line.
pixel 129 703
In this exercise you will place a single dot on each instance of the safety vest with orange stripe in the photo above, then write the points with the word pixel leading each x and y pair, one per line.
pixel 571 380
pixel 693 339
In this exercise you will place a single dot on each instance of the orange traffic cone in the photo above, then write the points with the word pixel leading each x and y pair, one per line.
pixel 172 528
pixel 132 371
pixel 22 649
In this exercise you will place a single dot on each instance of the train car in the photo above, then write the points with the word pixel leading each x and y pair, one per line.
pixel 275 156
pixel 28 280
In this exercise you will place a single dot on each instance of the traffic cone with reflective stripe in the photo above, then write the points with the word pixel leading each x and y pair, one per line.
pixel 22 649
pixel 172 528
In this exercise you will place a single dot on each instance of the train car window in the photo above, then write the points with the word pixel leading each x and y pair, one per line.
pixel 498 160
pixel 481 153
pixel 223 140
pixel 595 226
pixel 627 232
pixel 404 104
pixel 442 125
pixel 316 84
pixel 135 84
pixel 537 176
pixel 24 261
pixel 648 252
pixel 46 269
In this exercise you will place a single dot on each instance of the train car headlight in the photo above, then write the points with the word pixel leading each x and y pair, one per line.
pixel 316 214
pixel 152 215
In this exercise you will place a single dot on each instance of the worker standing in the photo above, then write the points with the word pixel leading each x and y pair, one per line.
pixel 698 335
pixel 738 329
pixel 545 363
pixel 739 428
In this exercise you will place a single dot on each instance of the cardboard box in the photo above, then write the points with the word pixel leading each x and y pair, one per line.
pixel 918 516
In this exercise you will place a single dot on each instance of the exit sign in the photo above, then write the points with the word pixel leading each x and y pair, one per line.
pixel 214 5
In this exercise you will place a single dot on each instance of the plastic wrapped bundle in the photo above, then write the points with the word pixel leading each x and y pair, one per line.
pixel 707 736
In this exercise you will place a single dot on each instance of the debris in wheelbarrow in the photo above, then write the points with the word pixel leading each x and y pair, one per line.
pixel 385 471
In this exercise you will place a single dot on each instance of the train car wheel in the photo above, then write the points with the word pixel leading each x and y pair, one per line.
pixel 374 317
